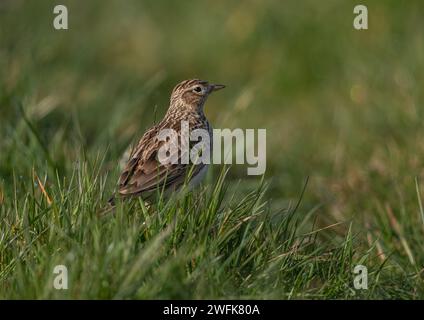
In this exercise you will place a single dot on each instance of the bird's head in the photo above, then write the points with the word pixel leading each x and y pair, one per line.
pixel 193 93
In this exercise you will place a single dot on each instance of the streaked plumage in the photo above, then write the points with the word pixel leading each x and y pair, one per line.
pixel 143 172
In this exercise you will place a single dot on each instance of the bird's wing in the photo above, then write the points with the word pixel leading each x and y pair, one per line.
pixel 144 172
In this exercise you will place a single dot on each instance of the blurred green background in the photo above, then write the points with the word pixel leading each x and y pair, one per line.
pixel 341 106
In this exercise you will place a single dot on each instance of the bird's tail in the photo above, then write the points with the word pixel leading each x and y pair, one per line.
pixel 112 201
pixel 109 208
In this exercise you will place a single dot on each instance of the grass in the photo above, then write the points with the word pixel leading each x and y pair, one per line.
pixel 340 106
pixel 201 245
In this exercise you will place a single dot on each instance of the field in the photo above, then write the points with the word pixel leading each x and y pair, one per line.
pixel 343 111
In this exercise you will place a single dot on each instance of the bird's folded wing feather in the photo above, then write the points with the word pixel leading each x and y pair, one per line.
pixel 144 172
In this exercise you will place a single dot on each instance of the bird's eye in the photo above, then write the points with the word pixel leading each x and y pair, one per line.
pixel 197 89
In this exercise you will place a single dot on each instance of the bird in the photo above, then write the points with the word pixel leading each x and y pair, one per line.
pixel 143 172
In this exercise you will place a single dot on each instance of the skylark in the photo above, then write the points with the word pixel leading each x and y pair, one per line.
pixel 144 172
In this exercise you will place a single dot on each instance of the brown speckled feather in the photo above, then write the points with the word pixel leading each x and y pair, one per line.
pixel 143 172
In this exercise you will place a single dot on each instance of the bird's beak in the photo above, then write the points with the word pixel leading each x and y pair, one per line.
pixel 216 87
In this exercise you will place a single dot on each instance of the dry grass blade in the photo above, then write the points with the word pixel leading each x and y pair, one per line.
pixel 43 189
